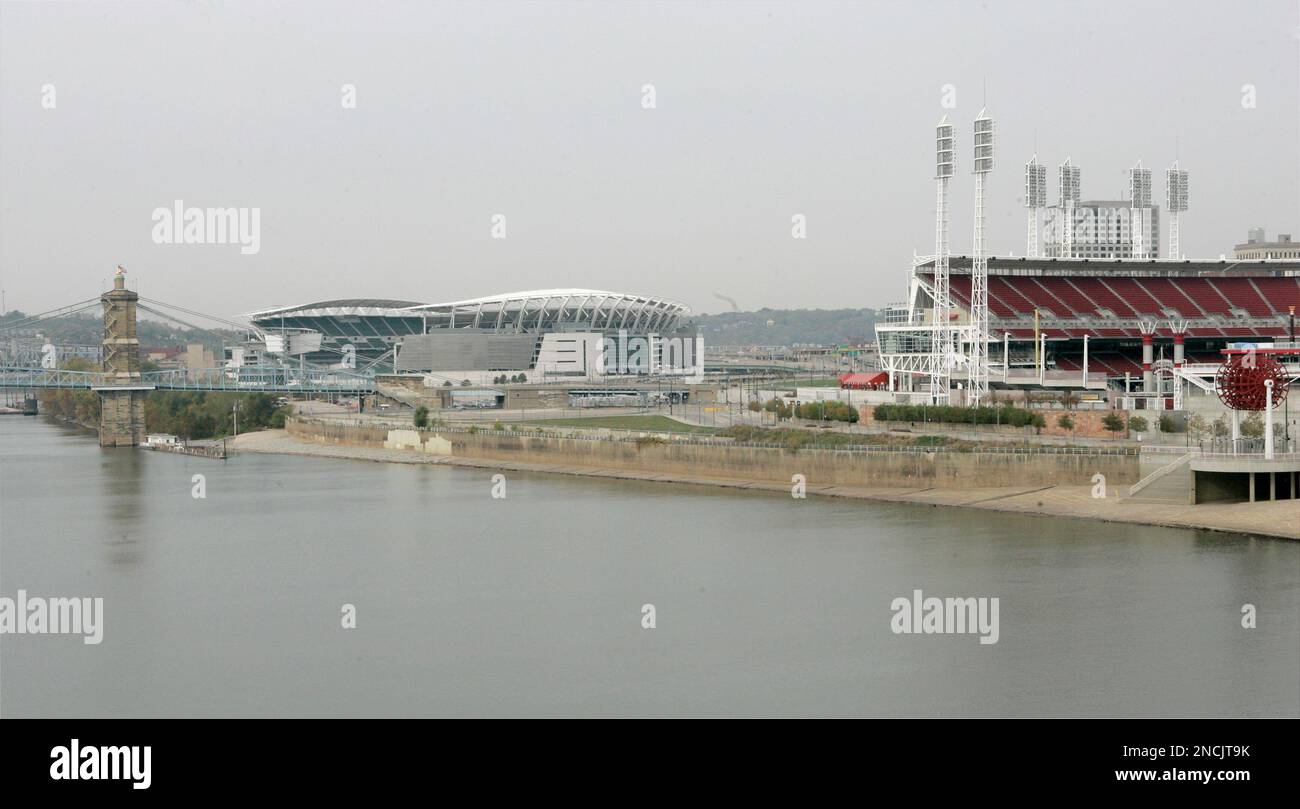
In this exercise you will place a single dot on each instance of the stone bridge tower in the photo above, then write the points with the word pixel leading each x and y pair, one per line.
pixel 121 416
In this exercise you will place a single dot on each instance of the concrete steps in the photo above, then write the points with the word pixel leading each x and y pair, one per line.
pixel 1163 481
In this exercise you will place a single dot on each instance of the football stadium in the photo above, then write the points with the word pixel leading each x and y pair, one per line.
pixel 541 334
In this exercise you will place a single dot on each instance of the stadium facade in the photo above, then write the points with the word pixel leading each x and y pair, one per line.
pixel 550 334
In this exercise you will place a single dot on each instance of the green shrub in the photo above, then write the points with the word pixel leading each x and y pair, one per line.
pixel 1113 422
pixel 1138 424
pixel 421 417
pixel 780 408
pixel 951 414
pixel 1065 422
pixel 827 411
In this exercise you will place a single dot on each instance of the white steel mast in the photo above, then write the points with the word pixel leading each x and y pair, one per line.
pixel 941 343
pixel 1175 203
pixel 979 273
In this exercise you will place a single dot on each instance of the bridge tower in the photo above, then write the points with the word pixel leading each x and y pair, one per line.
pixel 121 415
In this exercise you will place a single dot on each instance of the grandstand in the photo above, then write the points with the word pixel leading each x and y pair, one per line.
pixel 1208 304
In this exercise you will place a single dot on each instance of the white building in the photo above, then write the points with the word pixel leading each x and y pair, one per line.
pixel 1102 230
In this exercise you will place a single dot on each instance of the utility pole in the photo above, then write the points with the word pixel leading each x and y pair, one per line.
pixel 235 411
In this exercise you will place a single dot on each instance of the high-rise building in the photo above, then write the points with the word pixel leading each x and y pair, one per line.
pixel 1101 230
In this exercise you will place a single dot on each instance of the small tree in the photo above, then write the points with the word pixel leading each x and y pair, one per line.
pixel 1197 425
pixel 1113 422
pixel 1252 426
pixel 1065 422
pixel 1219 427
pixel 1069 399
pixel 421 417
pixel 1138 424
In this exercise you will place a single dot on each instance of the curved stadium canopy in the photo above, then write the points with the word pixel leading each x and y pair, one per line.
pixel 536 310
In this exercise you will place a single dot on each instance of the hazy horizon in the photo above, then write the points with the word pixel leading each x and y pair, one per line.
pixel 535 111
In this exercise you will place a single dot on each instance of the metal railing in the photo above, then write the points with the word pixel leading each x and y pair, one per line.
pixel 1159 473
pixel 22 377
pixel 253 379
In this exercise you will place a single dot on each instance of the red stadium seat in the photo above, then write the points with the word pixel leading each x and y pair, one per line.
pixel 959 285
pixel 1206 296
pixel 1068 294
pixel 1280 292
pixel 1133 296
pixel 1041 297
pixel 1170 296
pixel 1242 295
pixel 1105 298
pixel 1002 288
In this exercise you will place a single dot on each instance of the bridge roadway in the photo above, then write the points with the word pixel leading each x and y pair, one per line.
pixel 252 379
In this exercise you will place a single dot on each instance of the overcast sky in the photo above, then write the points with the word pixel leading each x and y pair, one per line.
pixel 535 111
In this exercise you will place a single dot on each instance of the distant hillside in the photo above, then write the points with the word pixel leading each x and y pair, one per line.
pixel 788 327
pixel 88 329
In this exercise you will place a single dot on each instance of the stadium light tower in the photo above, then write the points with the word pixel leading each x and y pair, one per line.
pixel 1175 203
pixel 979 272
pixel 1069 181
pixel 1035 200
pixel 1139 186
pixel 941 345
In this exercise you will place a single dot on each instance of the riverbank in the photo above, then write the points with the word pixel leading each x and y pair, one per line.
pixel 1262 519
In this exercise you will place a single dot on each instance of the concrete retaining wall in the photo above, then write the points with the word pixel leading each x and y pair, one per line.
pixel 921 469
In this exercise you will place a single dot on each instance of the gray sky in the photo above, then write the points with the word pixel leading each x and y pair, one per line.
pixel 534 111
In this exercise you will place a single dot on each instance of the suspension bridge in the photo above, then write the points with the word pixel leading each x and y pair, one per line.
pixel 122 384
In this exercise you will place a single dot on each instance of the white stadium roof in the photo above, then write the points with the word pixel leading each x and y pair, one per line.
pixel 513 311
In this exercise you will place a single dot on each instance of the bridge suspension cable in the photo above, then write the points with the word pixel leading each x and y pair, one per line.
pixel 62 311
pixel 195 313
pixel 186 324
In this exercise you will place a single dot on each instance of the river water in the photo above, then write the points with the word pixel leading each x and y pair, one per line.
pixel 232 604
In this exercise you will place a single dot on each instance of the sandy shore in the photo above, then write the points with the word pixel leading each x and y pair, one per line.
pixel 1277 519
